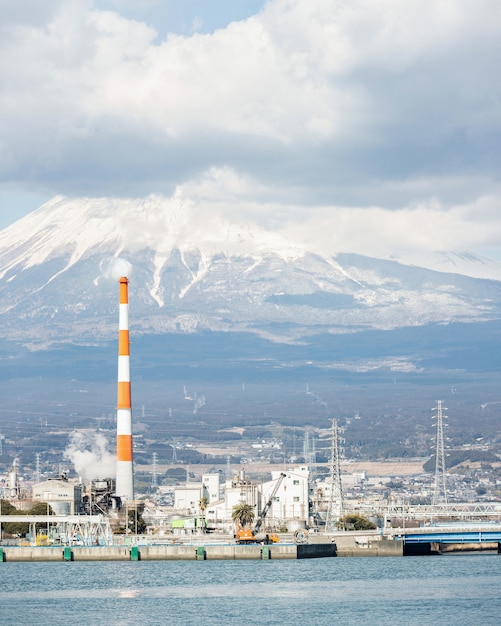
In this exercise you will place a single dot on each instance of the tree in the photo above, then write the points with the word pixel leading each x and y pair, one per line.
pixel 243 513
pixel 40 508
pixel 7 508
pixel 202 503
pixel 23 528
pixel 354 521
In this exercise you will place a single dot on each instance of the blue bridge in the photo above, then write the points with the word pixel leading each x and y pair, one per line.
pixel 449 535
pixel 442 537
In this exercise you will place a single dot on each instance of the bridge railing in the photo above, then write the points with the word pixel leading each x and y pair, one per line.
pixel 474 511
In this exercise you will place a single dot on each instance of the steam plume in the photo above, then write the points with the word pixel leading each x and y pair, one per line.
pixel 88 451
pixel 115 268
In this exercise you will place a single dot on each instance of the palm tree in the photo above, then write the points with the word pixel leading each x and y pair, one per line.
pixel 243 514
pixel 202 503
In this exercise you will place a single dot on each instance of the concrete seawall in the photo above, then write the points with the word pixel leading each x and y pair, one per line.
pixel 318 546
pixel 362 546
pixel 166 552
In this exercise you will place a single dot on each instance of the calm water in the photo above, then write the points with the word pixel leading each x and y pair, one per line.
pixel 452 589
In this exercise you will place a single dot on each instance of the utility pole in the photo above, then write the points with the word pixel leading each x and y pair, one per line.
pixel 439 490
pixel 336 505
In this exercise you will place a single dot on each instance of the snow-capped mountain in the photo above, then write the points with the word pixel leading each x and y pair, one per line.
pixel 189 272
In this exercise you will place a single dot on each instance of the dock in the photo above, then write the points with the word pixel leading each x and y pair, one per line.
pixel 166 552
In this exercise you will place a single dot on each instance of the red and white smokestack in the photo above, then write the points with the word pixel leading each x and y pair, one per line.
pixel 125 481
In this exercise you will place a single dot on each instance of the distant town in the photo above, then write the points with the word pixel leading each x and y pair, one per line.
pixel 188 486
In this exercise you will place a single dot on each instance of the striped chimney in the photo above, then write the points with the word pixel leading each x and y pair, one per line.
pixel 125 481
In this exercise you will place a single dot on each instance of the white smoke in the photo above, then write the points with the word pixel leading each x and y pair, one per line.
pixel 90 455
pixel 115 268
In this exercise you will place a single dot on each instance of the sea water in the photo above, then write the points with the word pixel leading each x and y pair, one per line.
pixel 459 589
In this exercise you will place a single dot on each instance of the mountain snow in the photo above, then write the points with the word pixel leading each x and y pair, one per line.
pixel 189 271
pixel 155 223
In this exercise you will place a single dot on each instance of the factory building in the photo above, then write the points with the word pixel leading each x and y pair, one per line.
pixel 187 498
pixel 291 500
pixel 64 497
pixel 212 486
pixel 290 505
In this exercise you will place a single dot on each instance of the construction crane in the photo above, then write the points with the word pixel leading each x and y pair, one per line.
pixel 247 535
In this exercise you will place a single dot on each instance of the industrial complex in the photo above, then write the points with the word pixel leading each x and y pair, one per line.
pixel 294 506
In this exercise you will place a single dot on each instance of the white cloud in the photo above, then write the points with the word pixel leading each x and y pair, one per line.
pixel 305 111
pixel 417 229
pixel 298 68
pixel 29 12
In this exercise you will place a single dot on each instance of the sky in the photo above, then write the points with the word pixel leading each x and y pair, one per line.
pixel 370 126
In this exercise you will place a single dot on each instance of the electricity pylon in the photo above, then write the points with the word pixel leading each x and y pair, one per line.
pixel 154 479
pixel 336 504
pixel 439 489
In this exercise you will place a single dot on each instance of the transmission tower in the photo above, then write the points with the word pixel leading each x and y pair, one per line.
pixel 336 505
pixel 439 489
pixel 310 456
pixel 154 482
pixel 37 468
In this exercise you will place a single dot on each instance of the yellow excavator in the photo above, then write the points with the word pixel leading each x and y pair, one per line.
pixel 245 536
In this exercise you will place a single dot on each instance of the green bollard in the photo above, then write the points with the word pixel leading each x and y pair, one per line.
pixel 67 554
pixel 265 552
pixel 200 554
pixel 134 554
pixel 2 555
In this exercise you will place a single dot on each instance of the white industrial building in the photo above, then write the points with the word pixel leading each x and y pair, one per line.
pixel 289 507
pixel 212 487
pixel 291 500
pixel 64 497
pixel 290 503
pixel 187 498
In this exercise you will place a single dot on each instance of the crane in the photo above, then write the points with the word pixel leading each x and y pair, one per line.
pixel 246 535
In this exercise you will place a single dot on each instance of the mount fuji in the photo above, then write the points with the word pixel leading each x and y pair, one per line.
pixel 59 266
